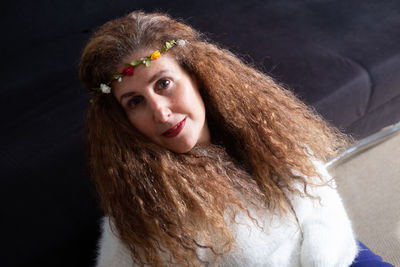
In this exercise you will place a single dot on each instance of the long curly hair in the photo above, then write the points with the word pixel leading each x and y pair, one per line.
pixel 163 203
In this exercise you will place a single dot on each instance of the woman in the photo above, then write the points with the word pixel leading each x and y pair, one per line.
pixel 199 159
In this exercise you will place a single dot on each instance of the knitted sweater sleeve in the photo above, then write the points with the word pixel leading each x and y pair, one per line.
pixel 328 238
pixel 111 251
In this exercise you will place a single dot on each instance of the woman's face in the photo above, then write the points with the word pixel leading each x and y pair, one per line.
pixel 163 103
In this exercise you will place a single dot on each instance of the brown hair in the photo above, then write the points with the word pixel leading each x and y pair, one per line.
pixel 263 137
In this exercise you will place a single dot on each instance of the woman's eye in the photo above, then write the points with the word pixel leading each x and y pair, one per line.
pixel 134 101
pixel 164 83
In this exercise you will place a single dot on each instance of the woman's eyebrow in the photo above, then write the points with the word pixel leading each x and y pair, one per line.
pixel 157 75
pixel 125 96
pixel 152 79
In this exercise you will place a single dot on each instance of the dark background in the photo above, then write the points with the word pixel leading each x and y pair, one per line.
pixel 341 57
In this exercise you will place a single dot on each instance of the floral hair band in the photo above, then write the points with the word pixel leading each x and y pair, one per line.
pixel 129 67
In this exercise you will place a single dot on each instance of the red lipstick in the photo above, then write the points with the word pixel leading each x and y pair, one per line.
pixel 175 130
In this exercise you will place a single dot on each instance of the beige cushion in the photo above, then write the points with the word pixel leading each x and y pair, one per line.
pixel 369 184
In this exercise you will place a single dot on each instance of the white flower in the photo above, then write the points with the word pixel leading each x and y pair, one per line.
pixel 105 88
pixel 120 79
pixel 181 42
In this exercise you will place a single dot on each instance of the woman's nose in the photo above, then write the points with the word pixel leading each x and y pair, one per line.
pixel 160 110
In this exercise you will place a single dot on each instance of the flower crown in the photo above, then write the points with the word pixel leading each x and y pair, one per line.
pixel 129 67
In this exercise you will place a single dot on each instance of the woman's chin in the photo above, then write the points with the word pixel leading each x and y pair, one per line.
pixel 183 147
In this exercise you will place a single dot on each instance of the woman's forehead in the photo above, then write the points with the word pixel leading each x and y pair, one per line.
pixel 143 75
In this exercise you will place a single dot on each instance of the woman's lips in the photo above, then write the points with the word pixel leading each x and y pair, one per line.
pixel 174 131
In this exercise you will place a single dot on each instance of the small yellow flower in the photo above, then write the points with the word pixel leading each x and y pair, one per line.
pixel 155 55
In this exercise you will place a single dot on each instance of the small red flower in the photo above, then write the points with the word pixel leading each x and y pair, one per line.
pixel 128 71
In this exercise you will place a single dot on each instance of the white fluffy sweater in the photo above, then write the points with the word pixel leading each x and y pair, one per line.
pixel 323 238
